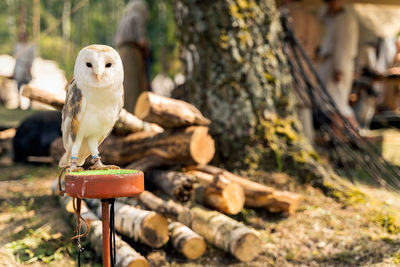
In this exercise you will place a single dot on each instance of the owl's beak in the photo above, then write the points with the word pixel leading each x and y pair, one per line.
pixel 98 77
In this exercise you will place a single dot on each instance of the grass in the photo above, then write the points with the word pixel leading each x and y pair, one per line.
pixel 104 172
pixel 12 117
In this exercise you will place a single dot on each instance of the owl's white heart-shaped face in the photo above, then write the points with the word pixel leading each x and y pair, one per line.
pixel 98 66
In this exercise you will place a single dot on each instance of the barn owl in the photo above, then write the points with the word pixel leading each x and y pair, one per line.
pixel 93 102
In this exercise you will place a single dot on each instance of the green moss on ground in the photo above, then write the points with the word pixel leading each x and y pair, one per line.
pixel 104 172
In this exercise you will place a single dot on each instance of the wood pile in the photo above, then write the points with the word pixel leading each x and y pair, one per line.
pixel 174 161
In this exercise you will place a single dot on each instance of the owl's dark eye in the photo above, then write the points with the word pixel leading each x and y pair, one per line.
pixel 88 64
pixel 108 65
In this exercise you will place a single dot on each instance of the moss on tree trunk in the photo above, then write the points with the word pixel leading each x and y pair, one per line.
pixel 237 75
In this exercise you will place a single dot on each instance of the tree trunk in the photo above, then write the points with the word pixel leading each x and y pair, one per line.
pixel 258 195
pixel 126 256
pixel 186 241
pixel 226 233
pixel 168 112
pixel 238 77
pixel 220 193
pixel 175 184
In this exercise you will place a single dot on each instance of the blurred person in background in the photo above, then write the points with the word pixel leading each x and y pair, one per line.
pixel 374 62
pixel 337 53
pixel 132 45
pixel 24 54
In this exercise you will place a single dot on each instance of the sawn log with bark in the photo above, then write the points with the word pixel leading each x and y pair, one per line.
pixel 257 195
pixel 192 145
pixel 220 193
pixel 145 226
pixel 168 112
pixel 226 233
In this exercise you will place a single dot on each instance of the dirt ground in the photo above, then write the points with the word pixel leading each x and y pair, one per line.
pixel 357 231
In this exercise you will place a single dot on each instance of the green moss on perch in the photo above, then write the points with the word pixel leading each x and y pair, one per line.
pixel 104 172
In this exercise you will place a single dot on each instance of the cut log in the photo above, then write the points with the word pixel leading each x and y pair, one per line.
pixel 181 147
pixel 168 112
pixel 127 122
pixel 125 256
pixel 186 241
pixel 43 96
pixel 177 185
pixel 148 227
pixel 8 133
pixel 226 233
pixel 258 195
pixel 220 193
pixel 167 208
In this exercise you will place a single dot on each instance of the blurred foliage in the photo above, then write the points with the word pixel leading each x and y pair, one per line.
pixel 95 22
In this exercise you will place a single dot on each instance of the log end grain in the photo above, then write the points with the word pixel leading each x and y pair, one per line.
pixel 202 147
pixel 247 247
pixel 194 248
pixel 140 262
pixel 229 200
pixel 143 105
pixel 155 230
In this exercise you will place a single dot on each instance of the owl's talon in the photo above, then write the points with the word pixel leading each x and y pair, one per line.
pixel 98 165
pixel 104 167
pixel 75 169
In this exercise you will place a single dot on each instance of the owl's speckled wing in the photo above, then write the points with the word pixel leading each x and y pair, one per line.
pixel 72 112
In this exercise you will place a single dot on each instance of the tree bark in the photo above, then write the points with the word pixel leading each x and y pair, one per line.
pixel 126 256
pixel 167 208
pixel 179 147
pixel 237 75
pixel 187 242
pixel 226 233
pixel 220 193
pixel 168 112
pixel 174 184
pixel 148 227
pixel 258 195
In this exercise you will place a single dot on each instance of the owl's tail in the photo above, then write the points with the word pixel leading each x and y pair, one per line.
pixel 82 155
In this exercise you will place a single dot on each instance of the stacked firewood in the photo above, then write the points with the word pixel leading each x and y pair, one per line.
pixel 168 139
